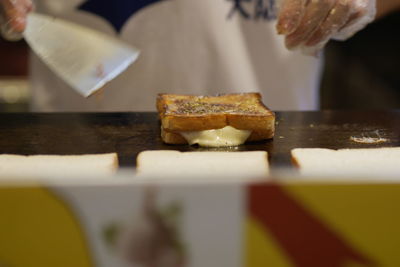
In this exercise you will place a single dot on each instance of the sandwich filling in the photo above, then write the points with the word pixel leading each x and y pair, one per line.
pixel 227 136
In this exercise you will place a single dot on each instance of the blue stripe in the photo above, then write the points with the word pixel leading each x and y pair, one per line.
pixel 116 12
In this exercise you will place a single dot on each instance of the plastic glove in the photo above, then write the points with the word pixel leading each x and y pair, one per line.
pixel 13 17
pixel 310 24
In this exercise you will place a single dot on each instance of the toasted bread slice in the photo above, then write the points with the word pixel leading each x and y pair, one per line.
pixel 180 113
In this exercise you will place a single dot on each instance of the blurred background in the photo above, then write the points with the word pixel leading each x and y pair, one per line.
pixel 363 72
pixel 14 84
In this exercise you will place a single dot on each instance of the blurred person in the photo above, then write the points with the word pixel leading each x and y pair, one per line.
pixel 364 72
pixel 200 47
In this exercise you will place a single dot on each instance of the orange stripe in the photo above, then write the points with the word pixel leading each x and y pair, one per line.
pixel 305 239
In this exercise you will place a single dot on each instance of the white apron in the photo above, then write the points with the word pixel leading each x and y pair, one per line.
pixel 187 46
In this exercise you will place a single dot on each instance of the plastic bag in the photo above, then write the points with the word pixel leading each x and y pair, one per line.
pixel 309 24
pixel 7 32
pixel 13 18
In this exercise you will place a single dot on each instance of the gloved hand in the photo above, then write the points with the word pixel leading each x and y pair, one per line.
pixel 310 24
pixel 13 17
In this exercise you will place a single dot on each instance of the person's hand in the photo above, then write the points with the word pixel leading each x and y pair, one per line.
pixel 309 24
pixel 13 17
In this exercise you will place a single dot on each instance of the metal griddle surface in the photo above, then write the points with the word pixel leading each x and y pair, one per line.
pixel 130 133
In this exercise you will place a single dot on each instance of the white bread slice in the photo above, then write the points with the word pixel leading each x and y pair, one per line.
pixel 57 165
pixel 169 163
pixel 369 162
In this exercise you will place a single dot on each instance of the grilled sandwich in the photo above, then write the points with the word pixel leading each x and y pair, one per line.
pixel 214 121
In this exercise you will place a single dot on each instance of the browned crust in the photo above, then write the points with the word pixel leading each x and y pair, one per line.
pixel 295 162
pixel 250 122
pixel 170 98
pixel 257 118
pixel 115 164
pixel 172 138
pixel 198 123
pixel 243 103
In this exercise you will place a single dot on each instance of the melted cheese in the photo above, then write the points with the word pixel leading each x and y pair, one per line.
pixel 227 136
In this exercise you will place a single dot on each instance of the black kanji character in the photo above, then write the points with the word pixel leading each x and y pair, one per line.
pixel 260 11
pixel 264 10
pixel 237 6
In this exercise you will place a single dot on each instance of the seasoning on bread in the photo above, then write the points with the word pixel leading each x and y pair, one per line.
pixel 223 120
